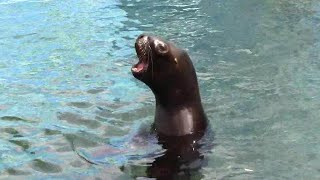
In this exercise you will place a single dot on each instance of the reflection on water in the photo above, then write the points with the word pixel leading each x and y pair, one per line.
pixel 66 88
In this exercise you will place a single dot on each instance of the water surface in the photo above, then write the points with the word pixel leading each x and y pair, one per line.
pixel 66 86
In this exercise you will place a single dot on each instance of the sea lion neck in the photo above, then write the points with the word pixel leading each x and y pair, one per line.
pixel 180 93
pixel 180 120
pixel 179 110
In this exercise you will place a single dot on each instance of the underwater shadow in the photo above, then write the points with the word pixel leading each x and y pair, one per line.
pixel 183 158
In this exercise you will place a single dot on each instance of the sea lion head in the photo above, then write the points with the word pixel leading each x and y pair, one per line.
pixel 162 65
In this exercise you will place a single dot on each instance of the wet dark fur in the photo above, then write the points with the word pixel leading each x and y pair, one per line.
pixel 180 121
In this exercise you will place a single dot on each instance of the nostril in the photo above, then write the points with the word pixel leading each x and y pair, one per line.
pixel 141 36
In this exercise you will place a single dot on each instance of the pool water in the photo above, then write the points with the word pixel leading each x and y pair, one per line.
pixel 67 94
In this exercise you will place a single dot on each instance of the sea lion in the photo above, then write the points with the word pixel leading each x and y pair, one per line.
pixel 180 121
pixel 170 74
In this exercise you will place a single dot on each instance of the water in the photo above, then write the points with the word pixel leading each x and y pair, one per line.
pixel 66 90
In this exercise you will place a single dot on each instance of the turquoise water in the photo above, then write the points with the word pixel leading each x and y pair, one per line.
pixel 66 91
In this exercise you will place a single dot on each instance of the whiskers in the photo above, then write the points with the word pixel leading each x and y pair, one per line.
pixel 150 59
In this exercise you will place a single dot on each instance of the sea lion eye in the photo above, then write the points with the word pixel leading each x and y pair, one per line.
pixel 161 47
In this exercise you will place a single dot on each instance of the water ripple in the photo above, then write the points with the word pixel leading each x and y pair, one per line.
pixel 66 88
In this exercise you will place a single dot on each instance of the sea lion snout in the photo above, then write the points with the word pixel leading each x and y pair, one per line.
pixel 143 53
pixel 142 39
pixel 141 36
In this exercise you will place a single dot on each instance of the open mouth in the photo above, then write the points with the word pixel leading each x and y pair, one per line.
pixel 142 52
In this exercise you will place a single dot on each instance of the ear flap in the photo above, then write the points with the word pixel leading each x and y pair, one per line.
pixel 176 60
